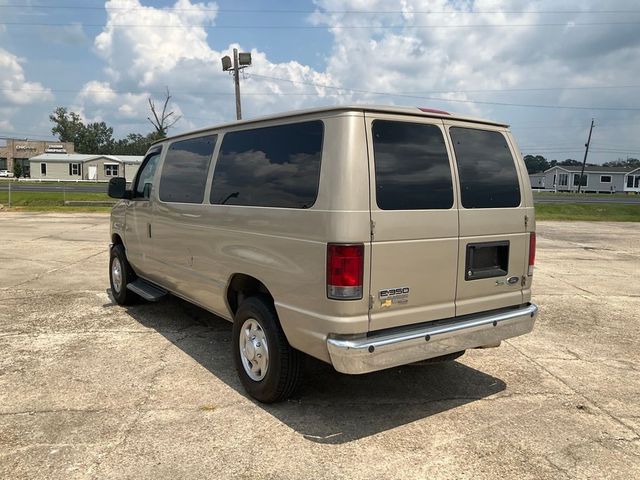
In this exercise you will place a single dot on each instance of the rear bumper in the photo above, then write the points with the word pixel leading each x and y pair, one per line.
pixel 350 354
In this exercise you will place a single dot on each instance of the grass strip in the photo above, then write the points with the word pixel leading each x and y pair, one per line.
pixel 594 212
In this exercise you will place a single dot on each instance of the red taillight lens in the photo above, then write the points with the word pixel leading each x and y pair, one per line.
pixel 345 266
pixel 532 251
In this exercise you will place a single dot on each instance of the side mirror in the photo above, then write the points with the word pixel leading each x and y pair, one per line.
pixel 118 188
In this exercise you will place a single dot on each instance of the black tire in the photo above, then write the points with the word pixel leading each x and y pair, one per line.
pixel 284 362
pixel 122 295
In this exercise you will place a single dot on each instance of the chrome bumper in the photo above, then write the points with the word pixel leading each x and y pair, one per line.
pixel 355 355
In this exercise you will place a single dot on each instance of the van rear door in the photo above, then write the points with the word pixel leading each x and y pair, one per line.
pixel 493 213
pixel 414 247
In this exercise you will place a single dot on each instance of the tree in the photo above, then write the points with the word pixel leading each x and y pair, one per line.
pixel 629 162
pixel 94 137
pixel 536 163
pixel 162 121
pixel 68 126
pixel 97 137
pixel 135 144
pixel 17 169
pixel 569 162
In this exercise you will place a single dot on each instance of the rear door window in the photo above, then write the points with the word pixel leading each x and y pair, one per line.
pixel 412 166
pixel 488 177
pixel 269 167
pixel 184 171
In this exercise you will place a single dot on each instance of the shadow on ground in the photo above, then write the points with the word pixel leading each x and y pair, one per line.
pixel 329 407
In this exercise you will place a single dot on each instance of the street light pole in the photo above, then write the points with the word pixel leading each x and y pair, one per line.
pixel 240 61
pixel 236 79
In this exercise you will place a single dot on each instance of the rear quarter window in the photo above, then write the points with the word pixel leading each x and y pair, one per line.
pixel 269 167
pixel 412 166
pixel 486 168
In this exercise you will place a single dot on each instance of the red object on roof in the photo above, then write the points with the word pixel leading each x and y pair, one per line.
pixel 433 110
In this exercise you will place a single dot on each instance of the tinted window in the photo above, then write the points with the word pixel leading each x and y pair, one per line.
pixel 269 167
pixel 145 177
pixel 184 172
pixel 412 166
pixel 487 172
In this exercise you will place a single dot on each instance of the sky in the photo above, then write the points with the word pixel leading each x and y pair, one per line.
pixel 544 67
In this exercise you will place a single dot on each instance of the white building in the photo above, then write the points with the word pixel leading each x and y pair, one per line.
pixel 598 179
pixel 62 166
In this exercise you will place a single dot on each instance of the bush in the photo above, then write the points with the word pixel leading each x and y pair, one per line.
pixel 17 170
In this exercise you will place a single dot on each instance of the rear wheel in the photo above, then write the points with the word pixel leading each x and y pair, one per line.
pixel 120 275
pixel 268 367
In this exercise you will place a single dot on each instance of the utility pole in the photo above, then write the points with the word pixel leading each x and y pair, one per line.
pixel 240 62
pixel 236 80
pixel 586 152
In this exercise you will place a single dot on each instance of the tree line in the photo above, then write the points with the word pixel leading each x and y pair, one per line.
pixel 538 164
pixel 97 137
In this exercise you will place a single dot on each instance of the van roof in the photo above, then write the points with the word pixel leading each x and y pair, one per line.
pixel 414 111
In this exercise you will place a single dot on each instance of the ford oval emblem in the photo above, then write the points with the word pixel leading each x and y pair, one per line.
pixel 512 280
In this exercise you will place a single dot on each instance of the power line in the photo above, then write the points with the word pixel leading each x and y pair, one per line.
pixel 440 99
pixel 209 93
pixel 318 27
pixel 308 11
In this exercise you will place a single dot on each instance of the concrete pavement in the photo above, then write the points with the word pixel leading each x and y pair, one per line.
pixel 89 389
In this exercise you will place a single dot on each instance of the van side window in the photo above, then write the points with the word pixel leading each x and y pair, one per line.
pixel 145 176
pixel 270 167
pixel 488 177
pixel 412 166
pixel 184 171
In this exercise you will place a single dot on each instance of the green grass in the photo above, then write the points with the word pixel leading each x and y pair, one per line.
pixel 33 182
pixel 54 201
pixel 593 212
pixel 561 194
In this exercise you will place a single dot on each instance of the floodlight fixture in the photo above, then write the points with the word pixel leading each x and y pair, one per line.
pixel 226 63
pixel 244 59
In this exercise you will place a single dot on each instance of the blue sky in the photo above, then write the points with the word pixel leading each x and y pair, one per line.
pixel 544 67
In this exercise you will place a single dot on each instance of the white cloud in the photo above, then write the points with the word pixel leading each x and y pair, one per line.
pixel 395 54
pixel 14 88
pixel 447 65
pixel 170 47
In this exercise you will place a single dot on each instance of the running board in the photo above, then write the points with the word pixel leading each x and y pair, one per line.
pixel 147 290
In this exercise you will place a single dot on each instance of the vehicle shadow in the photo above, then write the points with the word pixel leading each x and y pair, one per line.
pixel 329 407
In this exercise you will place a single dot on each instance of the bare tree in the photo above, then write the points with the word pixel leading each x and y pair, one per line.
pixel 163 121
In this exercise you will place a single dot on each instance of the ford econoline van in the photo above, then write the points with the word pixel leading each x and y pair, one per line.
pixel 368 237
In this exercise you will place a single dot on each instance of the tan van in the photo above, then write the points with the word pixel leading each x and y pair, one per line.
pixel 368 237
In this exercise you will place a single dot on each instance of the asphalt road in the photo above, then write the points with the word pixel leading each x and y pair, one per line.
pixel 90 389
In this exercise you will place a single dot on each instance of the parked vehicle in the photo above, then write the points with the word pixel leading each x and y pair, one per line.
pixel 368 237
pixel 6 173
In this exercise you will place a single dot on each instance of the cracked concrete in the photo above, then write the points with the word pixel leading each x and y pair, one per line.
pixel 89 389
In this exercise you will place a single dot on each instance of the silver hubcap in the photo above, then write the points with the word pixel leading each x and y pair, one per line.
pixel 116 274
pixel 254 351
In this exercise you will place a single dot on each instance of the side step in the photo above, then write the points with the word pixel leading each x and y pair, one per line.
pixel 147 290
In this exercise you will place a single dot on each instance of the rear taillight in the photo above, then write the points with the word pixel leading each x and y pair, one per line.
pixel 532 251
pixel 345 266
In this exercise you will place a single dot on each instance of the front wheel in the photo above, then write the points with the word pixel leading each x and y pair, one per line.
pixel 268 367
pixel 121 274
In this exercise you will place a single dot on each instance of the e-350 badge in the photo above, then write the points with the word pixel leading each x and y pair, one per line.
pixel 390 296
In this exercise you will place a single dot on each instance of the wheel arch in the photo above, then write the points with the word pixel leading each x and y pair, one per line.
pixel 241 286
pixel 116 239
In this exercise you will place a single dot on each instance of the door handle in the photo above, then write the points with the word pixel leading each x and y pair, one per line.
pixel 149 229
